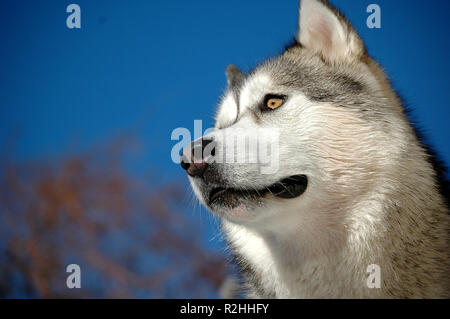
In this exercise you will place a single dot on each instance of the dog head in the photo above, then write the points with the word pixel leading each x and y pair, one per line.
pixel 317 124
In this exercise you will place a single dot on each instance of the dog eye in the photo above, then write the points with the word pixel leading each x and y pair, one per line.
pixel 272 102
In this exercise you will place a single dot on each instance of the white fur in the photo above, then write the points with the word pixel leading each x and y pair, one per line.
pixel 367 177
pixel 227 111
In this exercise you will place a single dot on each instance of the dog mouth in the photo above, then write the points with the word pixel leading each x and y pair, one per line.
pixel 288 188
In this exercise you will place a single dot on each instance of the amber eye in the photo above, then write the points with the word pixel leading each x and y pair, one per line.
pixel 272 102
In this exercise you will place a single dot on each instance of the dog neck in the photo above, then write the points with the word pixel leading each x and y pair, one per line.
pixel 310 251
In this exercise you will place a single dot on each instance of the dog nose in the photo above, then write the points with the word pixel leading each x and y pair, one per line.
pixel 195 161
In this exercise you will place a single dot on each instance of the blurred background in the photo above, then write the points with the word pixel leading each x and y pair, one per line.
pixel 86 175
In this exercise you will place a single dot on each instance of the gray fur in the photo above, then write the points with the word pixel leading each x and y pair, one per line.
pixel 379 202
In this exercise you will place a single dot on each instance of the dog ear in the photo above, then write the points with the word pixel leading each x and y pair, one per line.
pixel 325 31
pixel 234 76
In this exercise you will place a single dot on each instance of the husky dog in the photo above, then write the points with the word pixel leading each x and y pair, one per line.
pixel 354 186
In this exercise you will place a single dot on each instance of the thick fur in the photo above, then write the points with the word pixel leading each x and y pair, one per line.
pixel 373 195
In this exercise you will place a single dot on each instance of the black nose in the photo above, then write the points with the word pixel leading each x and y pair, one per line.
pixel 194 161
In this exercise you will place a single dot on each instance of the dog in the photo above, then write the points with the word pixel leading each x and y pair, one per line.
pixel 354 188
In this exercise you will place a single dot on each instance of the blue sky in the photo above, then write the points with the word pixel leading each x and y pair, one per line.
pixel 146 67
